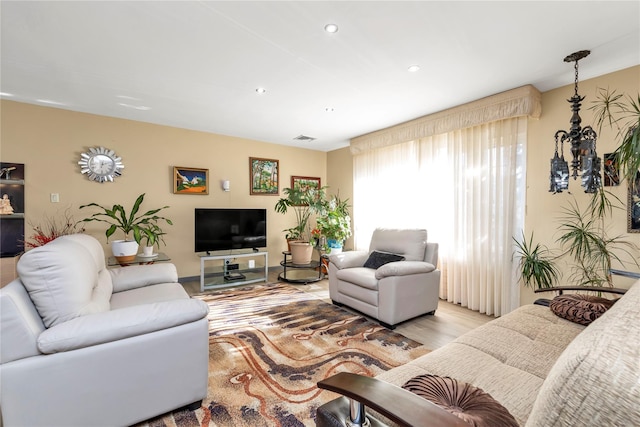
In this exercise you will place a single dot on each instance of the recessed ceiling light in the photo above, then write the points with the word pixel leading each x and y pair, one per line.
pixel 261 90
pixel 413 68
pixel 331 28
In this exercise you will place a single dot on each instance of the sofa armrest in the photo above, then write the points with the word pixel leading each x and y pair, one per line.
pixel 404 268
pixel 560 289
pixel 138 276
pixel 100 328
pixel 395 403
pixel 350 259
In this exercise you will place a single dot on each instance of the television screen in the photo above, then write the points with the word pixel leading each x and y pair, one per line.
pixel 223 229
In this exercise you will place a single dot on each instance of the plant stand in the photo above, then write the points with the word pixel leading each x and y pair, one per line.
pixel 300 273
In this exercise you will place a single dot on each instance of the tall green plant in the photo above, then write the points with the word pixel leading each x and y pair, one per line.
pixel 621 113
pixel 304 201
pixel 537 267
pixel 585 239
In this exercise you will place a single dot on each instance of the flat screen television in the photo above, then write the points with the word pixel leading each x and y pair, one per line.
pixel 224 229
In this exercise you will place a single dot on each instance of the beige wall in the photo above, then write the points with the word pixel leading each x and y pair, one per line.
pixel 49 141
pixel 544 208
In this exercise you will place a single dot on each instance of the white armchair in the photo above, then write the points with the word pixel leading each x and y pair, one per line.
pixel 84 345
pixel 395 280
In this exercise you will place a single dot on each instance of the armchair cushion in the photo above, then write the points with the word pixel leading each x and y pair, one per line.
pixel 63 280
pixel 378 259
pixel 463 400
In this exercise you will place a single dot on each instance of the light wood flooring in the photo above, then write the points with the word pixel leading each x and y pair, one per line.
pixel 449 321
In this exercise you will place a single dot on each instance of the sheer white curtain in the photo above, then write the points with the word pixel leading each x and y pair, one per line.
pixel 466 187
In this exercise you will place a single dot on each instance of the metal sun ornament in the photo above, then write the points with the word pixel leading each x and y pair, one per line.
pixel 583 146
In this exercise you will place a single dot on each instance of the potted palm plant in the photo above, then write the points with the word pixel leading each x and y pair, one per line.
pixel 304 201
pixel 134 226
pixel 621 113
pixel 335 224
pixel 536 263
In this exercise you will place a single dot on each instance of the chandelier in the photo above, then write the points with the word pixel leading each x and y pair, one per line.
pixel 583 146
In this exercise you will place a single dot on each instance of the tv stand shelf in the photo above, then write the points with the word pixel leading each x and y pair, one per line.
pixel 228 278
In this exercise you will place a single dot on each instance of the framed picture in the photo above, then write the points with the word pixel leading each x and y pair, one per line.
pixel 611 175
pixel 305 182
pixel 633 207
pixel 190 180
pixel 264 177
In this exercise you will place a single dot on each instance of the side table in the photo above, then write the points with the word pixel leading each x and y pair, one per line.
pixel 143 260
pixel 300 273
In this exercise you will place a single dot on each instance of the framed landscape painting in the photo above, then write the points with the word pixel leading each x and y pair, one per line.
pixel 264 176
pixel 190 180
pixel 305 182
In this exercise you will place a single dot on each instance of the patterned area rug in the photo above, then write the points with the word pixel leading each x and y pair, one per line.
pixel 271 344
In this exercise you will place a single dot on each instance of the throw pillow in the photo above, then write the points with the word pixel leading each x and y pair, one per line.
pixel 582 309
pixel 463 400
pixel 378 259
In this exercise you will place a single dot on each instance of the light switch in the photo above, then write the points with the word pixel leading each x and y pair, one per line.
pixel 55 197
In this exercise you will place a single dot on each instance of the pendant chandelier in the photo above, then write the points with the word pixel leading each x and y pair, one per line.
pixel 585 162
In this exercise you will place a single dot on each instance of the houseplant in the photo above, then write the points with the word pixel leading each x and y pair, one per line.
pixel 335 224
pixel 537 268
pixel 585 238
pixel 304 201
pixel 51 228
pixel 623 115
pixel 132 225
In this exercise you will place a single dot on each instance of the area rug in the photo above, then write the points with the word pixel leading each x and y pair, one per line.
pixel 271 344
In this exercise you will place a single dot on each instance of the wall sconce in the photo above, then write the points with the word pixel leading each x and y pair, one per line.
pixel 583 146
pixel 226 185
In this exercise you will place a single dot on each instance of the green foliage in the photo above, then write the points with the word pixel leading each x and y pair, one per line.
pixel 621 113
pixel 336 222
pixel 304 201
pixel 537 268
pixel 142 226
pixel 585 239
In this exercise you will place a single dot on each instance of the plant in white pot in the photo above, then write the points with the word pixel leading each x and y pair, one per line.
pixel 152 235
pixel 335 224
pixel 133 226
pixel 304 201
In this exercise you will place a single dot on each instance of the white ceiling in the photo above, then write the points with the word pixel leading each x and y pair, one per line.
pixel 196 64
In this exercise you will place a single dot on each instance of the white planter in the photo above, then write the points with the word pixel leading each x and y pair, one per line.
pixel 147 250
pixel 124 250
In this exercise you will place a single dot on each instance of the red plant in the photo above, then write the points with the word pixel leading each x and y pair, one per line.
pixel 51 230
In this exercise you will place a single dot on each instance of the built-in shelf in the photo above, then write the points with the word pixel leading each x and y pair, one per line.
pixel 12 224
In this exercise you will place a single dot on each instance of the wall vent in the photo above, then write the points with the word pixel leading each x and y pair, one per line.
pixel 304 138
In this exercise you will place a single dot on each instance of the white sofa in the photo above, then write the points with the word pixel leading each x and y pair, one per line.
pixel 396 291
pixel 545 370
pixel 83 345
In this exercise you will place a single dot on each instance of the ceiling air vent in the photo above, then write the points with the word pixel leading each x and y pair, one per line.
pixel 304 138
